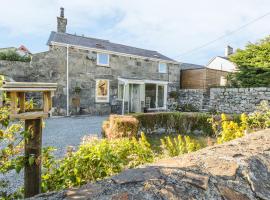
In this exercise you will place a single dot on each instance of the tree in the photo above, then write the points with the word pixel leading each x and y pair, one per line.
pixel 253 65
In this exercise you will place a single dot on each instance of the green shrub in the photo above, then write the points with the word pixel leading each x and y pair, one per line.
pixel 232 130
pixel 13 56
pixel 94 160
pixel 179 145
pixel 260 118
pixel 228 128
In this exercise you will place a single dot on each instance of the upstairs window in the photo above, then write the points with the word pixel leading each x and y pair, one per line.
pixel 162 68
pixel 103 59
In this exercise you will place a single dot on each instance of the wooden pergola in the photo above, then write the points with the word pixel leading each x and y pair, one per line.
pixel 33 123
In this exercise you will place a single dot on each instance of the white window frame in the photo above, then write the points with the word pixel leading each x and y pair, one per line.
pixel 165 95
pixel 159 70
pixel 101 64
pixel 223 81
pixel 108 94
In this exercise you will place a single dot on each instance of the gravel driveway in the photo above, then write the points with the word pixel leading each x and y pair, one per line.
pixel 68 131
pixel 60 133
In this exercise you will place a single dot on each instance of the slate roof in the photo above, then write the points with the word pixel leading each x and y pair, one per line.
pixel 104 45
pixel 226 58
pixel 185 66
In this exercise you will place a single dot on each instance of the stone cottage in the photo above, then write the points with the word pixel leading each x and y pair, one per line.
pixel 97 76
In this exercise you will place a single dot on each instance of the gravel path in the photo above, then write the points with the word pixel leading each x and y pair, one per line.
pixel 68 131
pixel 60 133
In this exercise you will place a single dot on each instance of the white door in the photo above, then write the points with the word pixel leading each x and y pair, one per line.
pixel 135 98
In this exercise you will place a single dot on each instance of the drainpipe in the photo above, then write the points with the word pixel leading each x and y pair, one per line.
pixel 67 114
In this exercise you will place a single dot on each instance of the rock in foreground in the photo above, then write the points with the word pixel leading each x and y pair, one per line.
pixel 239 169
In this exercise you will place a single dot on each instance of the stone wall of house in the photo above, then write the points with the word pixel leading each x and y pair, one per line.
pixel 50 66
pixel 192 97
pixel 83 72
pixel 237 100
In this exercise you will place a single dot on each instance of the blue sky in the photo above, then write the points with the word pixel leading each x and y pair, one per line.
pixel 171 27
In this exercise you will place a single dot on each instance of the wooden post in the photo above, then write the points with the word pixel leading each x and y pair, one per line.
pixel 33 124
pixel 22 101
pixel 46 102
pixel 14 102
pixel 32 173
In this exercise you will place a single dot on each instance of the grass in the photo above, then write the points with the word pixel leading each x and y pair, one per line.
pixel 154 140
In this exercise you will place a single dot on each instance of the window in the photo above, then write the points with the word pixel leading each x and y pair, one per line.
pixel 162 68
pixel 223 81
pixel 103 59
pixel 154 96
pixel 102 90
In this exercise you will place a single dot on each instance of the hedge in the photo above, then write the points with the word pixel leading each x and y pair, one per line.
pixel 118 126
pixel 174 122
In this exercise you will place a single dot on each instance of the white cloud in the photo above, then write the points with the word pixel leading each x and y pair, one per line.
pixel 169 26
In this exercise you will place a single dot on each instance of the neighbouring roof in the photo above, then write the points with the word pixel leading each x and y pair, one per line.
pixel 103 45
pixel 186 66
pixel 24 49
pixel 222 57
pixel 226 58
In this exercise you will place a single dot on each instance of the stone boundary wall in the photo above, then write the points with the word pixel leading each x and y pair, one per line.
pixel 237 100
pixel 241 173
pixel 226 100
pixel 192 96
pixel 17 70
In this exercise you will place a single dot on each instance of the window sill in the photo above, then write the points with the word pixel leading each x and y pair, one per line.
pixel 103 65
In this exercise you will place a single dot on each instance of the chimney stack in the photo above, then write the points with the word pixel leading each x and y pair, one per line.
pixel 61 22
pixel 228 51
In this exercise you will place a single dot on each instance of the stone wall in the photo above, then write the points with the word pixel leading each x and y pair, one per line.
pixel 83 73
pixel 17 70
pixel 239 169
pixel 192 96
pixel 225 100
pixel 237 100
pixel 50 66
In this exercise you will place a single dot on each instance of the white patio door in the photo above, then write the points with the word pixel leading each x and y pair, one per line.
pixel 135 101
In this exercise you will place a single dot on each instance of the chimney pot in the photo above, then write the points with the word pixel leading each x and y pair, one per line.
pixel 228 51
pixel 62 12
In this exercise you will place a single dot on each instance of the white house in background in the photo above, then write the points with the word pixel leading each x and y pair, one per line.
pixel 223 63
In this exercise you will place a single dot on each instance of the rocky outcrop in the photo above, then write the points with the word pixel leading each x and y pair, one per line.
pixel 239 169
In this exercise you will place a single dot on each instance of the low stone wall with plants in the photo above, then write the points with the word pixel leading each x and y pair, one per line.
pixel 237 100
pixel 118 126
pixel 243 173
pixel 191 99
